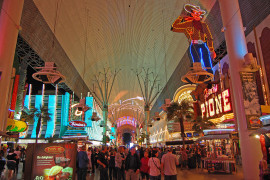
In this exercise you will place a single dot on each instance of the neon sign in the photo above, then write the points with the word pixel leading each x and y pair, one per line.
pixel 126 121
pixel 77 123
pixel 198 34
pixel 208 92
pixel 217 105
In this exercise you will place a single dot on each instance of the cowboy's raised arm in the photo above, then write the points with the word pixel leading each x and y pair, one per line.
pixel 179 26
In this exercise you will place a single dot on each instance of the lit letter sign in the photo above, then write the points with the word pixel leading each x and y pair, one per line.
pixel 211 106
pixel 203 109
pixel 216 105
pixel 206 107
pixel 227 104
pixel 77 123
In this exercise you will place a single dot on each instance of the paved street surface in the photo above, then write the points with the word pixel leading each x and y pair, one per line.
pixel 193 174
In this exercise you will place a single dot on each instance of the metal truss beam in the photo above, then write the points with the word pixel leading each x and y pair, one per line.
pixel 221 51
pixel 27 54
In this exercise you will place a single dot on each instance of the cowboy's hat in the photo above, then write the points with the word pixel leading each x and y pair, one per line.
pixel 189 8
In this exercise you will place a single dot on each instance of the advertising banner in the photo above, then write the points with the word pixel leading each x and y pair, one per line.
pixel 53 161
pixel 251 99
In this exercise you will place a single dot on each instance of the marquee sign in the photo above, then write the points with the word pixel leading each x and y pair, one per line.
pixel 216 104
pixel 54 150
pixel 77 123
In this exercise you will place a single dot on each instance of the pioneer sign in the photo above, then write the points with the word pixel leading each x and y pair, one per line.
pixel 216 104
pixel 77 123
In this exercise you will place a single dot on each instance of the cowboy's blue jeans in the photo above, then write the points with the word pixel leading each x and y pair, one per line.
pixel 200 53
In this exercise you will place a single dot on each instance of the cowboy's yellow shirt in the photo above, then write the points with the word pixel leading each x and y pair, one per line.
pixel 192 33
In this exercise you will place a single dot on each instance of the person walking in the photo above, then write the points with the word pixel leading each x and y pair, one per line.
pixel 93 153
pixel 144 169
pixel 119 164
pixel 82 162
pixel 103 163
pixel 89 154
pixel 168 165
pixel 141 153
pixel 112 169
pixel 11 163
pixel 18 152
pixel 198 157
pixel 2 163
pixel 184 158
pixel 96 157
pixel 132 165
pixel 155 167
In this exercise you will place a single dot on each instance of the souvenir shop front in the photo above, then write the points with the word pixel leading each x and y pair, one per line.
pixel 221 147
pixel 220 142
pixel 263 134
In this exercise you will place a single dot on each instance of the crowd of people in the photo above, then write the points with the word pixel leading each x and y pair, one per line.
pixel 137 163
pixel 119 163
pixel 11 158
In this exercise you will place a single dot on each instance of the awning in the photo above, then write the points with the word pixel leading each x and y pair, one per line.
pixel 169 143
pixel 3 134
pixel 262 130
pixel 75 137
pixel 88 142
pixel 214 136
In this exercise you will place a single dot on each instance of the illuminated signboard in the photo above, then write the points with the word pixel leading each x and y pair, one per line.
pixel 216 104
pixel 51 161
pixel 126 121
pixel 77 123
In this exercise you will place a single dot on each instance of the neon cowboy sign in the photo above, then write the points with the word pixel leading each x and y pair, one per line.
pixel 216 104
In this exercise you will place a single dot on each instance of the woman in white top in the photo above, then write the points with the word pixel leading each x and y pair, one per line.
pixel 154 165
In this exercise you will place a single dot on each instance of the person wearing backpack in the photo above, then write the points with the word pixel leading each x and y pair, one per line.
pixel 155 167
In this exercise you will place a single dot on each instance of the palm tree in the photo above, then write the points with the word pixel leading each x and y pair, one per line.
pixel 179 113
pixel 201 123
pixel 42 114
pixel 142 138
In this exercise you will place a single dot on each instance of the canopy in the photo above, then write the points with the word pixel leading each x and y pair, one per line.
pixel 168 143
pixel 262 130
pixel 214 136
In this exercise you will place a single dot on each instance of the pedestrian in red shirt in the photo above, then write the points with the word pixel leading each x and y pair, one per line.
pixel 144 169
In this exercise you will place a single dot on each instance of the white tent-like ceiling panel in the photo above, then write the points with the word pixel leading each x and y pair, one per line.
pixel 125 34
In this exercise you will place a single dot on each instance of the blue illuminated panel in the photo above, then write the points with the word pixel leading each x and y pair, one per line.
pixel 65 109
pixel 38 104
pixel 51 110
pixel 113 133
pixel 88 114
pixel 26 101
pixel 64 113
pixel 113 130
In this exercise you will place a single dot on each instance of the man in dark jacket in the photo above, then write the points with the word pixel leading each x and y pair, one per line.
pixel 132 165
pixel 82 162
pixel 103 163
